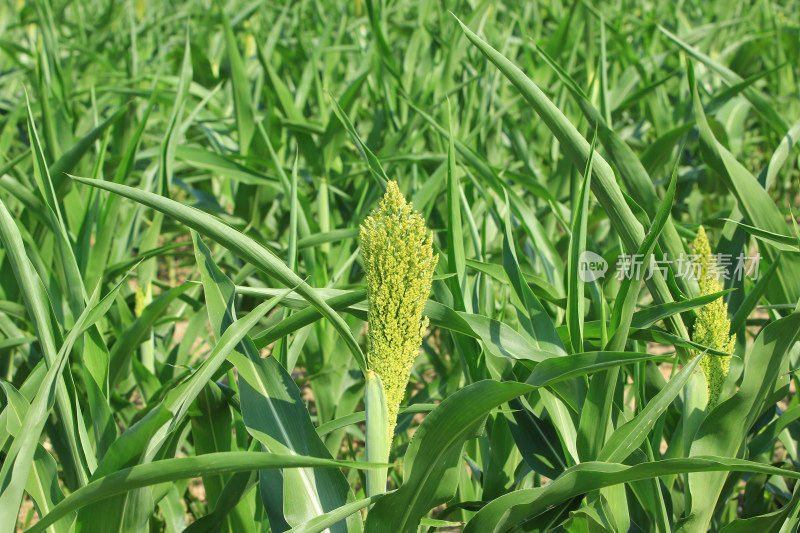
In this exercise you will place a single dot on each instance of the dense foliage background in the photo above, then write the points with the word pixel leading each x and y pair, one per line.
pixel 182 323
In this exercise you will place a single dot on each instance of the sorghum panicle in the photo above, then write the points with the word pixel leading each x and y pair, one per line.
pixel 399 264
pixel 712 326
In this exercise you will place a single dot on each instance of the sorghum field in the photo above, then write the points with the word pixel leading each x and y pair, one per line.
pixel 393 266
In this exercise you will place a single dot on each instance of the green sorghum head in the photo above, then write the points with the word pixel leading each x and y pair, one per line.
pixel 399 263
pixel 712 327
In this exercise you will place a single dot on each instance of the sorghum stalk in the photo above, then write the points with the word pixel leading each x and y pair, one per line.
pixel 377 436
pixel 712 327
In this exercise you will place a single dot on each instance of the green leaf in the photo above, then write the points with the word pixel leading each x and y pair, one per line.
pixel 324 521
pixel 128 342
pixel 558 369
pixel 19 458
pixel 779 521
pixel 781 242
pixel 753 296
pixel 373 163
pixel 636 179
pixel 604 185
pixel 211 432
pixel 597 409
pixel 39 309
pixel 275 414
pixel 361 416
pixel 170 470
pixel 759 101
pixel 240 244
pixel 753 200
pixel 432 458
pixel 627 438
pixel 532 315
pixel 231 501
pixel 577 245
pixel 69 160
pixel 144 439
pixel 243 106
pixel 218 164
pixel 42 484
pixel 455 237
pixel 73 281
pixel 499 338
pixel 507 512
pixel 624 306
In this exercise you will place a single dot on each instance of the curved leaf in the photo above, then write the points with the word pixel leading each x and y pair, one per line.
pixel 170 470
pixel 239 243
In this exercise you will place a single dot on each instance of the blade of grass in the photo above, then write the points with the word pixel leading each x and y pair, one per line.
pixel 577 245
pixel 170 470
pixel 520 506
pixel 38 308
pixel 243 106
pixel 240 244
pixel 753 200
pixel 604 184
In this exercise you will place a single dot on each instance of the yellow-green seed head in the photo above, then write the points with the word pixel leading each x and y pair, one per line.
pixel 399 264
pixel 141 301
pixel 712 327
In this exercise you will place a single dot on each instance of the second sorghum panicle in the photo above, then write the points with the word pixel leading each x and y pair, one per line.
pixel 712 328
